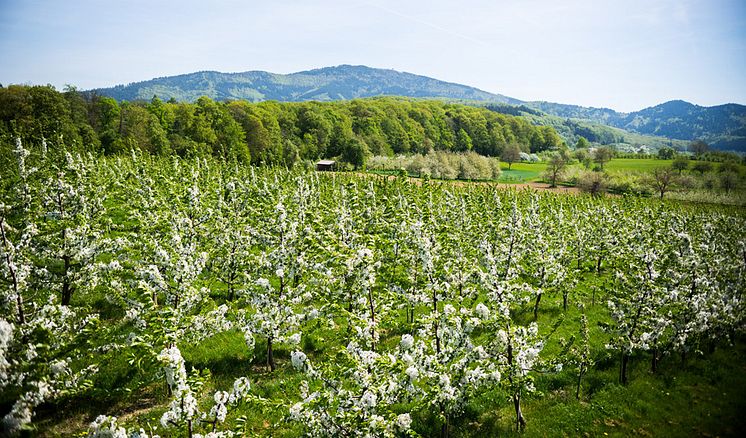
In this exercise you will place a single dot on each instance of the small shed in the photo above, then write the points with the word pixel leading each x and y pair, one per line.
pixel 325 165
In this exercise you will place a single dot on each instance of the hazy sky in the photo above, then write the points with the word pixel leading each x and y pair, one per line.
pixel 625 54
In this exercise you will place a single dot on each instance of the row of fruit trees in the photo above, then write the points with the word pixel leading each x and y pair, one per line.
pixel 422 296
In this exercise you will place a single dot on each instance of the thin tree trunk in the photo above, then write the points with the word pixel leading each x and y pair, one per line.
pixel 67 288
pixel 623 369
pixel 14 279
pixel 372 308
pixel 564 301
pixel 444 427
pixel 435 326
pixel 520 422
pixel 536 306
pixel 270 355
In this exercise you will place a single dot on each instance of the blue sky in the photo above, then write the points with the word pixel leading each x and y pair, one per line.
pixel 624 55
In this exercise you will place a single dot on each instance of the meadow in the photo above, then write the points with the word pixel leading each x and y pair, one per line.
pixel 528 172
pixel 148 296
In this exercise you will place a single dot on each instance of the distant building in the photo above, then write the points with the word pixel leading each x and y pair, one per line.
pixel 325 165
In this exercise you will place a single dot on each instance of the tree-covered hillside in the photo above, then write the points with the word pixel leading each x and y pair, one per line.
pixel 723 126
pixel 572 129
pixel 263 133
pixel 343 82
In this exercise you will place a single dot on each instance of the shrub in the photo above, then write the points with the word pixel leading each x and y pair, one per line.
pixel 594 183
pixel 629 183
pixel 442 165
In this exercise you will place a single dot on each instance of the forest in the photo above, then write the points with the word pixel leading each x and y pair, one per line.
pixel 271 133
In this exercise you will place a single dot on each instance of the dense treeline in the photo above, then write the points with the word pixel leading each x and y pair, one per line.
pixel 263 133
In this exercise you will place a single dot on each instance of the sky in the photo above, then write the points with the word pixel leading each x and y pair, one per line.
pixel 625 55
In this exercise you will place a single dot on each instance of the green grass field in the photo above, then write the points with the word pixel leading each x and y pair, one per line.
pixel 637 164
pixel 521 172
pixel 526 172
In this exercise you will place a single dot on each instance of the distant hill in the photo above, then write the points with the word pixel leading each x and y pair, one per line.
pixel 571 129
pixel 723 126
pixel 331 83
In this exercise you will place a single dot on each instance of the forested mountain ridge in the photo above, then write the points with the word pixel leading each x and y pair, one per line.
pixel 723 126
pixel 343 82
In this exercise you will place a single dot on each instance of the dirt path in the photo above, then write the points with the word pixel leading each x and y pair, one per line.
pixel 459 183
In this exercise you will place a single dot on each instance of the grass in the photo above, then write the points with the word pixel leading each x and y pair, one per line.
pixel 636 164
pixel 521 172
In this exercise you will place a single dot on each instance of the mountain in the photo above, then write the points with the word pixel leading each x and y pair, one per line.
pixel 571 129
pixel 723 126
pixel 324 84
pixel 679 119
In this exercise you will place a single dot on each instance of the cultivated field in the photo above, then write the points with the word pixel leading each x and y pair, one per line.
pixel 202 298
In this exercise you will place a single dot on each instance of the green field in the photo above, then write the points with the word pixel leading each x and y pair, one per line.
pixel 525 172
pixel 521 172
pixel 635 164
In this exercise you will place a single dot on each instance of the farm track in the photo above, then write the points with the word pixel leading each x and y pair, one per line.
pixel 460 183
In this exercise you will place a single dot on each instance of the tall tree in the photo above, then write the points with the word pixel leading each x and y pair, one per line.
pixel 698 147
pixel 511 154
pixel 680 163
pixel 555 168
pixel 603 155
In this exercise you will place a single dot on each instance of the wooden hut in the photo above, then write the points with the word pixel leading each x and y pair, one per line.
pixel 325 165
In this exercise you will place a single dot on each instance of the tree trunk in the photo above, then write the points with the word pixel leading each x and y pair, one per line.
pixel 580 377
pixel 623 369
pixel 67 288
pixel 564 301
pixel 14 279
pixel 520 422
pixel 435 326
pixel 270 355
pixel 372 309
pixel 19 307
pixel 654 363
pixel 444 427
pixel 536 306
